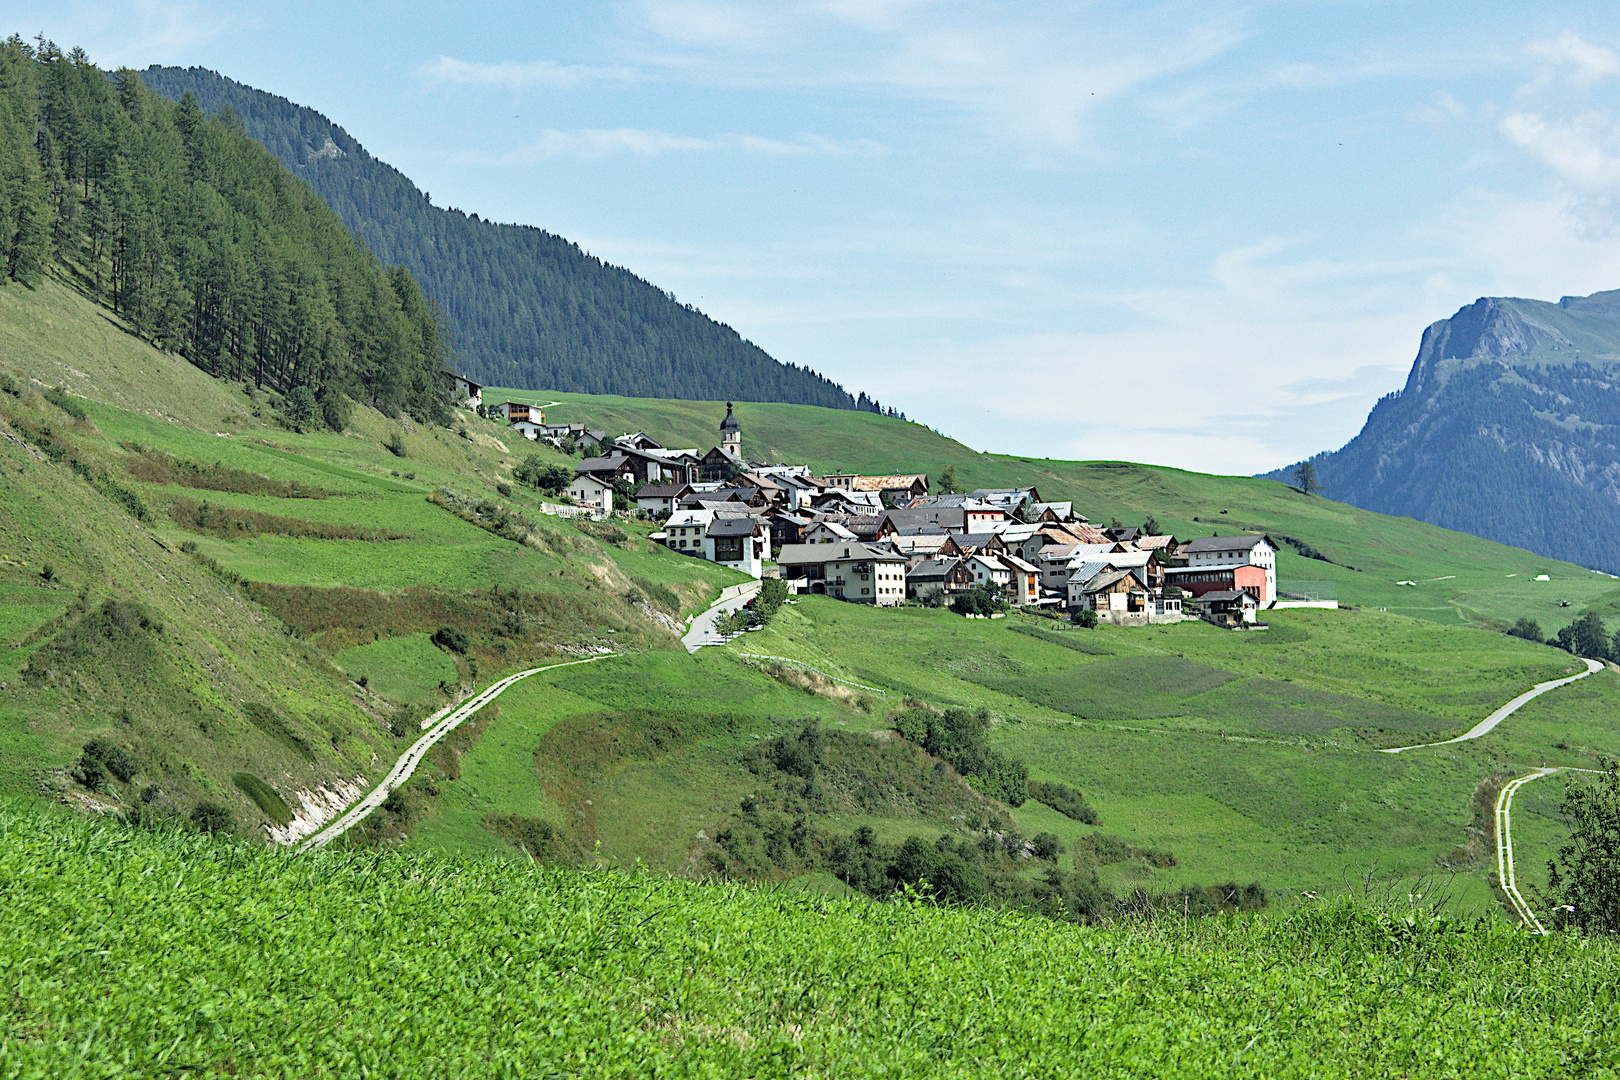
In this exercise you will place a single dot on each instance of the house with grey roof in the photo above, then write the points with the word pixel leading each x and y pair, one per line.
pixel 860 573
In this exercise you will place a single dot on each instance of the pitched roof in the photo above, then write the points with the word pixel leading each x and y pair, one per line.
pixel 663 491
pixel 888 483
pixel 932 568
pixel 601 464
pixel 801 554
pixel 834 528
pixel 1016 563
pixel 1110 579
pixel 733 526
pixel 1228 595
pixel 1224 543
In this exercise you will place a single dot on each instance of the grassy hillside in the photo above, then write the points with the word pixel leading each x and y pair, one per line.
pixel 217 594
pixel 1244 756
pixel 229 596
pixel 155 953
pixel 1459 578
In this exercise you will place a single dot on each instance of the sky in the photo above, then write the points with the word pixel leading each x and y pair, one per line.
pixel 1194 234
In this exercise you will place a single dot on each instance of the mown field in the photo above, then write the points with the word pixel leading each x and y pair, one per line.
pixel 1456 578
pixel 147 954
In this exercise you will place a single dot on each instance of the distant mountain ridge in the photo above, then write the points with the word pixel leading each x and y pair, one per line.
pixel 1508 427
pixel 524 307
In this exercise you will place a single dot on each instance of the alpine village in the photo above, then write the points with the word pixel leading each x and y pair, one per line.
pixel 890 540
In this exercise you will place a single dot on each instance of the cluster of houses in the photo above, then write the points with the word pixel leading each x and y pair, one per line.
pixel 885 540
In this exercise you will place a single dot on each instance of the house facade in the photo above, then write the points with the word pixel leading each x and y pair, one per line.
pixel 685 530
pixel 741 543
pixel 463 391
pixel 856 572
pixel 661 499
pixel 587 490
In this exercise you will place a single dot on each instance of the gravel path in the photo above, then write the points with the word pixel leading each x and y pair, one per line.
pixel 1487 725
pixel 410 759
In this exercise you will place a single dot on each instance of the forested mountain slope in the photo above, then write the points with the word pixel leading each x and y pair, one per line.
pixel 1508 427
pixel 525 307
pixel 202 242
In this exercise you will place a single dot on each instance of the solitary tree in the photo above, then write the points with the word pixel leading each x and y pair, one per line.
pixel 1305 477
pixel 947 482
pixel 1151 526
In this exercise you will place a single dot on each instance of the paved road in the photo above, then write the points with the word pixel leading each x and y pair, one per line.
pixel 410 759
pixel 702 631
pixel 1487 725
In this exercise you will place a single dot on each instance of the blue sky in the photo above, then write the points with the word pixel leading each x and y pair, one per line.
pixel 1201 235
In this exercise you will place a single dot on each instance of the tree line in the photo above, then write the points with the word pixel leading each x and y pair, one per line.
pixel 525 307
pixel 201 242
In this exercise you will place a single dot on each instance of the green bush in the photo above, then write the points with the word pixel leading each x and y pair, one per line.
pixel 395 445
pixel 1101 850
pixel 1085 617
pixel 66 402
pixel 1584 880
pixel 958 737
pixel 300 409
pixel 535 472
pixel 1047 846
pixel 983 600
pixel 1528 629
pixel 212 818
pixel 452 639
pixel 264 797
pixel 1586 636
pixel 1064 799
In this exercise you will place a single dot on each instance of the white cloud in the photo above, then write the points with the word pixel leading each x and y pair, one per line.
pixel 1589 63
pixel 1583 150
pixel 516 76
pixel 638 142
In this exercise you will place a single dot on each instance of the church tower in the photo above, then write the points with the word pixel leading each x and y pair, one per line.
pixel 731 436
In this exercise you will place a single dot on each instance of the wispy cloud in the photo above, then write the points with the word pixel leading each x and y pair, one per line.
pixel 1556 120
pixel 516 76
pixel 1034 80
pixel 639 142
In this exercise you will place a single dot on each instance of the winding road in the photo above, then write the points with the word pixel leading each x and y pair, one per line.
pixel 1487 725
pixel 410 759
pixel 700 633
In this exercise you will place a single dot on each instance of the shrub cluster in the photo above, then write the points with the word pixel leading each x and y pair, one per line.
pixel 550 479
pixel 983 600
pixel 103 760
pixel 452 639
pixel 1064 799
pixel 264 797
pixel 957 735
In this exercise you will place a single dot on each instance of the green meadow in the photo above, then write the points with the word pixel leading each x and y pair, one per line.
pixel 153 953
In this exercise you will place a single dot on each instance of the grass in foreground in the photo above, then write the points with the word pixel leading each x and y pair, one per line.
pixel 156 954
